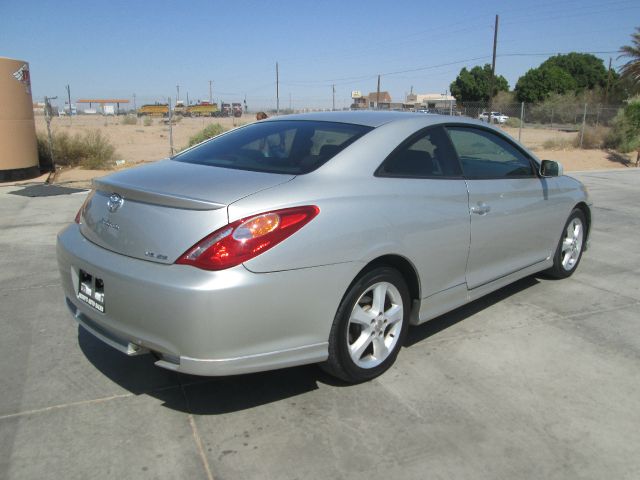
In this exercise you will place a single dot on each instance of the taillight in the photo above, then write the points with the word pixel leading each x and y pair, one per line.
pixel 247 238
pixel 84 206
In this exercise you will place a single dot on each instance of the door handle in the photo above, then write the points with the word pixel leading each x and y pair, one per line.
pixel 481 208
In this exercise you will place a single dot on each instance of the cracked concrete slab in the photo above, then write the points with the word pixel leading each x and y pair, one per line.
pixel 538 380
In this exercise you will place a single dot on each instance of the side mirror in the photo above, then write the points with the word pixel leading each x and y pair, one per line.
pixel 550 168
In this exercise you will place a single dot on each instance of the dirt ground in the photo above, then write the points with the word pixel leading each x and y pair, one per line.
pixel 137 144
pixel 572 159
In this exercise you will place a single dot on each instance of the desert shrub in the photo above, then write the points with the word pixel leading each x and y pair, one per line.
pixel 97 150
pixel 504 102
pixel 556 108
pixel 593 137
pixel 147 122
pixel 513 122
pixel 129 120
pixel 44 158
pixel 557 144
pixel 89 150
pixel 207 132
pixel 625 132
pixel 66 149
pixel 176 118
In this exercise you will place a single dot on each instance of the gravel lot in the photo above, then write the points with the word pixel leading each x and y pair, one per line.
pixel 539 380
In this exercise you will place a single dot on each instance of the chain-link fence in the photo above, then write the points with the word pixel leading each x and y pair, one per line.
pixel 560 116
pixel 565 116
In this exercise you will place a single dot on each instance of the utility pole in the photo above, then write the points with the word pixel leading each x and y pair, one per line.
pixel 47 118
pixel 187 99
pixel 378 94
pixel 584 121
pixel 210 94
pixel 606 92
pixel 69 97
pixel 333 107
pixel 493 63
pixel 277 90
pixel 521 121
pixel 178 95
pixel 170 127
pixel 134 103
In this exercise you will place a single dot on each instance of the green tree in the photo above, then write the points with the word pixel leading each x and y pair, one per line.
pixel 538 83
pixel 631 69
pixel 587 70
pixel 473 85
pixel 570 73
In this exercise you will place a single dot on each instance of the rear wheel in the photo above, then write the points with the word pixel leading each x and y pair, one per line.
pixel 571 245
pixel 369 327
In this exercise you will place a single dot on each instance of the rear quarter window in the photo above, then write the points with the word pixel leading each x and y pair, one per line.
pixel 282 146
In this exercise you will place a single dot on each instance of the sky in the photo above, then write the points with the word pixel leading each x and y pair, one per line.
pixel 120 48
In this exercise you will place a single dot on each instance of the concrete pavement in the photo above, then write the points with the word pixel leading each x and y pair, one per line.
pixel 538 380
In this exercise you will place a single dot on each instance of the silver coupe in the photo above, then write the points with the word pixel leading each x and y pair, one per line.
pixel 314 238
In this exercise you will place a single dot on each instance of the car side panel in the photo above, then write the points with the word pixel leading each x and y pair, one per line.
pixel 423 220
pixel 515 233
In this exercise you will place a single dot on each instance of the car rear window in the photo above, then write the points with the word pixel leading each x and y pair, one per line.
pixel 282 146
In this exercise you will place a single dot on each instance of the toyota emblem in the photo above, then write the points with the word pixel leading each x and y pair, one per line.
pixel 115 202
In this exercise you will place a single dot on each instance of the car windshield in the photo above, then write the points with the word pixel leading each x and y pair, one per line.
pixel 283 146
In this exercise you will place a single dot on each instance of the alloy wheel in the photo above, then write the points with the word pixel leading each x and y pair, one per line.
pixel 375 325
pixel 572 244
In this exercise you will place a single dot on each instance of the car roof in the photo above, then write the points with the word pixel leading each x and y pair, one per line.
pixel 372 118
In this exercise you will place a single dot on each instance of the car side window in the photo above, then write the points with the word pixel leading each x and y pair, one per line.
pixel 484 154
pixel 426 154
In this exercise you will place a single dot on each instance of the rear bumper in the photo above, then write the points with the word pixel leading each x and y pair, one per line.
pixel 204 323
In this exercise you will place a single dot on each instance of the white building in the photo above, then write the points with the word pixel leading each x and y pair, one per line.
pixel 431 101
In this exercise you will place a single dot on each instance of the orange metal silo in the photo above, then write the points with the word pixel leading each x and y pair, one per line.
pixel 18 146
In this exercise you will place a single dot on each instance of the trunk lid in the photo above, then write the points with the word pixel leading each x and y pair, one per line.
pixel 156 212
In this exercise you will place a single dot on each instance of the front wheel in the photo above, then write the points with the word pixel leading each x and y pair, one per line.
pixel 570 247
pixel 369 326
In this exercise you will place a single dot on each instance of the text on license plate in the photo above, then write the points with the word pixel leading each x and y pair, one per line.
pixel 91 290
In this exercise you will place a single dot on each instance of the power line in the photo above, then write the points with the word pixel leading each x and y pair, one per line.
pixel 343 81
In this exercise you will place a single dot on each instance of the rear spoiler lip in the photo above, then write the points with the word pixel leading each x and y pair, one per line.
pixel 130 192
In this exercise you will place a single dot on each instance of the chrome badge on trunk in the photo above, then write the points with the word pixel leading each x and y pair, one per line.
pixel 115 202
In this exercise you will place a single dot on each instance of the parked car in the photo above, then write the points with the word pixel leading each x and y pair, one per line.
pixel 227 259
pixel 493 117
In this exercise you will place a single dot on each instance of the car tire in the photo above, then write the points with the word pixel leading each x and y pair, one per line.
pixel 369 327
pixel 570 246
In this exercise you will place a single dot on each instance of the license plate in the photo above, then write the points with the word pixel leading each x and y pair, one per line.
pixel 91 290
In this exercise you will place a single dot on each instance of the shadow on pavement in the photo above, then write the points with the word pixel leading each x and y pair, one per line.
pixel 219 395
pixel 438 324
pixel 200 395
pixel 616 157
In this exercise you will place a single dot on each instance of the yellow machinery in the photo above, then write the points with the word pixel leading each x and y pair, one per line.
pixel 154 110
pixel 204 109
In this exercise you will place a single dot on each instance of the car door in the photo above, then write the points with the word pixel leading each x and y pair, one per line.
pixel 508 203
pixel 429 199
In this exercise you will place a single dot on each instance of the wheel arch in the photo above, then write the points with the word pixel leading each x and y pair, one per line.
pixel 584 208
pixel 405 267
